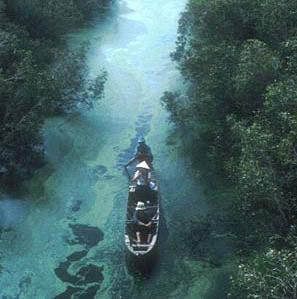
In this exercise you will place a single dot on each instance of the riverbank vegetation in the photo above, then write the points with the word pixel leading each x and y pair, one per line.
pixel 40 76
pixel 50 19
pixel 240 114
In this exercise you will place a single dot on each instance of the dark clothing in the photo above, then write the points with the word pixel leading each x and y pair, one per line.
pixel 141 216
pixel 144 217
pixel 143 152
pixel 143 193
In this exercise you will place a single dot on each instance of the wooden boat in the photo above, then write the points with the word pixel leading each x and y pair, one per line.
pixel 152 207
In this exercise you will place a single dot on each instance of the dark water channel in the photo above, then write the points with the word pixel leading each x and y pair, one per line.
pixel 62 237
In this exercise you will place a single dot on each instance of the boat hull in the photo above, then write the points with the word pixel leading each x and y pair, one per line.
pixel 142 250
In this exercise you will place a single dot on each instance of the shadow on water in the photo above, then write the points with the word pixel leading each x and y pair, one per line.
pixel 145 267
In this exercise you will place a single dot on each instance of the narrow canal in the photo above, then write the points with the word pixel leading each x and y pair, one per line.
pixel 64 230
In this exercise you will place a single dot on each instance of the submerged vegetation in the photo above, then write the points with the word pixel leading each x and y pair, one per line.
pixel 239 60
pixel 38 78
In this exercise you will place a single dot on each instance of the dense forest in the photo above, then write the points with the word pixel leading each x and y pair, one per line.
pixel 40 76
pixel 239 62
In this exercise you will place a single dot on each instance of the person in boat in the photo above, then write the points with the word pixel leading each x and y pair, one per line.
pixel 142 177
pixel 143 222
pixel 143 153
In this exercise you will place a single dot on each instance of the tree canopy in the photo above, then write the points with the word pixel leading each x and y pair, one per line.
pixel 239 58
pixel 39 78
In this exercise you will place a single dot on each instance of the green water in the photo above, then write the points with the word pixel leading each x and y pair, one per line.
pixel 83 182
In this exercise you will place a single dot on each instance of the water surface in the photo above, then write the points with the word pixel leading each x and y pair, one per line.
pixel 67 238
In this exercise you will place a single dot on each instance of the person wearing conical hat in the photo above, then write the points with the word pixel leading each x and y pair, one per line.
pixel 143 165
pixel 143 153
pixel 142 178
pixel 142 175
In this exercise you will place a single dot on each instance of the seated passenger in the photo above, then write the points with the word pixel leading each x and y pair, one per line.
pixel 142 222
pixel 142 177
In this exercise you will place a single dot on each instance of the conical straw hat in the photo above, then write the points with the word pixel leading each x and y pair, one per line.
pixel 143 164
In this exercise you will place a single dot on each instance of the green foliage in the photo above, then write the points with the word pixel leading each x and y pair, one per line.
pixel 271 274
pixel 257 176
pixel 240 109
pixel 257 67
pixel 289 56
pixel 53 17
pixel 240 106
pixel 37 80
pixel 276 21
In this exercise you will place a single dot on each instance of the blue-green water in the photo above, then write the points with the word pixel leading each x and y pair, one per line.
pixel 64 233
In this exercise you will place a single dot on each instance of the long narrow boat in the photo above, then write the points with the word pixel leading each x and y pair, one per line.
pixel 152 204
